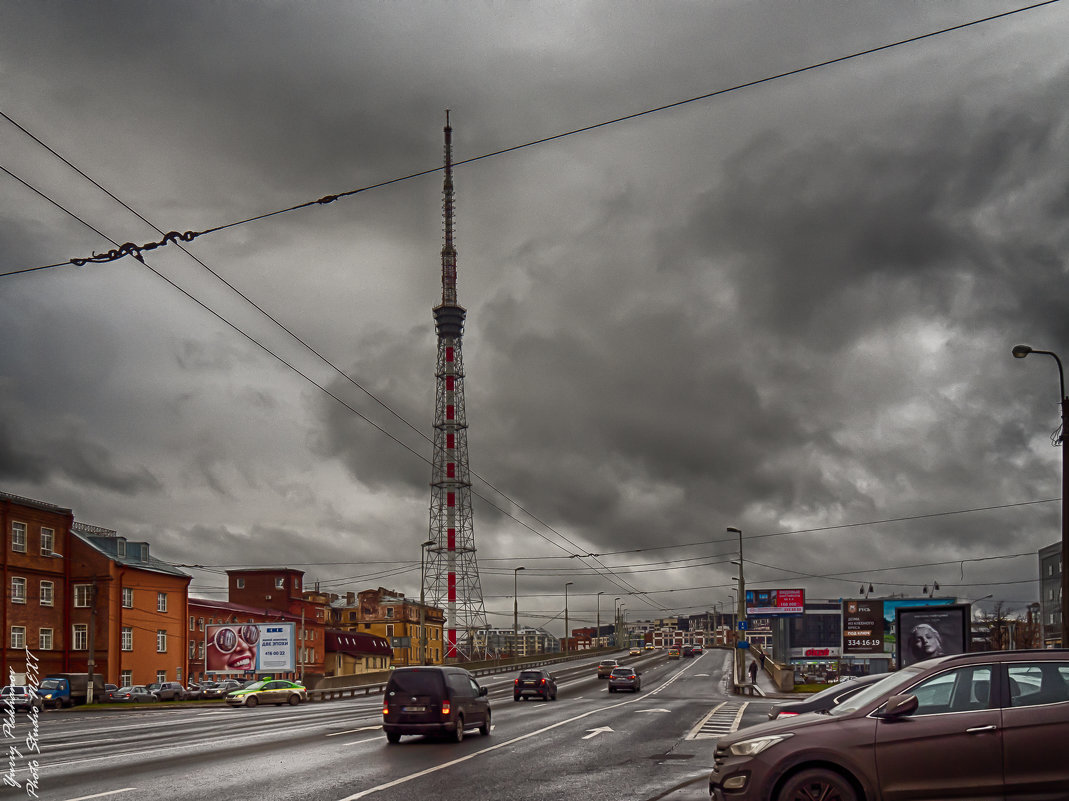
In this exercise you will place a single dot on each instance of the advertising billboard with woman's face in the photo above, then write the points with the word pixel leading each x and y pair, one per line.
pixel 250 647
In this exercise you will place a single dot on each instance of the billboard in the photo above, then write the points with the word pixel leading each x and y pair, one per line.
pixel 869 626
pixel 250 647
pixel 930 631
pixel 863 627
pixel 768 603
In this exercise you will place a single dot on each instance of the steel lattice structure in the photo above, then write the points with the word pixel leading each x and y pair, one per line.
pixel 451 576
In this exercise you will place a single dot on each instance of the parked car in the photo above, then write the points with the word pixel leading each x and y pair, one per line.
pixel 605 667
pixel 20 698
pixel 271 691
pixel 170 691
pixel 220 689
pixel 433 700
pixel 977 725
pixel 534 683
pixel 194 692
pixel 825 699
pixel 649 646
pixel 135 694
pixel 625 678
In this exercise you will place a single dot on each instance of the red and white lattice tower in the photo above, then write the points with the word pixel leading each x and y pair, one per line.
pixel 451 576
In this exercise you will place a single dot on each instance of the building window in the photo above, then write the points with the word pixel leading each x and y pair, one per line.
pixel 18 590
pixel 161 676
pixel 192 623
pixel 48 593
pixel 144 552
pixel 82 593
pixel 18 637
pixel 200 650
pixel 239 583
pixel 161 602
pixel 44 639
pixel 128 597
pixel 120 548
pixel 192 650
pixel 48 539
pixel 280 583
pixel 128 638
pixel 200 624
pixel 389 629
pixel 81 637
pixel 18 537
pixel 389 611
pixel 161 641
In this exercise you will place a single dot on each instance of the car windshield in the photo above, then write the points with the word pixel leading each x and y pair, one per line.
pixel 256 685
pixel 622 672
pixel 49 684
pixel 875 691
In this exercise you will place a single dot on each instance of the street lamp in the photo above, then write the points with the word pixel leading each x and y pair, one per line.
pixel 566 586
pixel 515 612
pixel 863 591
pixel 616 622
pixel 422 608
pixel 931 593
pixel 739 658
pixel 597 634
pixel 1019 352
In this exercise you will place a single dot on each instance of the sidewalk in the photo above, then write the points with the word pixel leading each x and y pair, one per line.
pixel 765 686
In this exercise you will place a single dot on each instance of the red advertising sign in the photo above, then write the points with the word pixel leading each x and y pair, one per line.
pixel 766 603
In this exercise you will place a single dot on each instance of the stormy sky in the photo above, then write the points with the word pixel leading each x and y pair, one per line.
pixel 787 306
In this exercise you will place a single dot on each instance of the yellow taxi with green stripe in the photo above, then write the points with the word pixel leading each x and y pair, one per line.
pixel 268 691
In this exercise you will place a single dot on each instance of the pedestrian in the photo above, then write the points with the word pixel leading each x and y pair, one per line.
pixel 753 672
pixel 762 661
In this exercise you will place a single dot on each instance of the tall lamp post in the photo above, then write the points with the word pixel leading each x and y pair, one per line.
pixel 739 656
pixel 597 634
pixel 515 612
pixel 1019 352
pixel 616 623
pixel 422 602
pixel 566 586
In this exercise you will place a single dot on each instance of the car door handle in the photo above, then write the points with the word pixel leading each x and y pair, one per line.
pixel 982 729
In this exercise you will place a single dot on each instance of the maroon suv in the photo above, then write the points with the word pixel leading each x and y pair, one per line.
pixel 974 726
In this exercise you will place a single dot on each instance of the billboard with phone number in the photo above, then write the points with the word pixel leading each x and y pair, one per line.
pixel 768 603
pixel 250 647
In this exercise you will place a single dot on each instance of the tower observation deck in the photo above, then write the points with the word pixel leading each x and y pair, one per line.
pixel 451 576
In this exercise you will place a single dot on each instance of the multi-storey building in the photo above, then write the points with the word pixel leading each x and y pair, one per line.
pixel 388 613
pixel 310 646
pixel 1050 594
pixel 352 652
pixel 35 622
pixel 128 609
pixel 526 642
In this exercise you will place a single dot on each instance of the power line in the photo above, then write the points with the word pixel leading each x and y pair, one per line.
pixel 130 249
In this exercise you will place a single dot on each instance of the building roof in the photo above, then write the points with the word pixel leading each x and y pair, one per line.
pixel 355 643
pixel 30 502
pixel 106 542
pixel 246 609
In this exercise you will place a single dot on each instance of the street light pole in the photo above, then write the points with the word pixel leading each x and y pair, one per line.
pixel 740 659
pixel 566 586
pixel 616 622
pixel 597 634
pixel 422 603
pixel 1019 352
pixel 515 612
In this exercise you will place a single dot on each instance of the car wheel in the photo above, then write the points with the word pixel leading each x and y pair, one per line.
pixel 295 699
pixel 393 737
pixel 515 698
pixel 612 689
pixel 484 730
pixel 813 784
pixel 458 735
pixel 251 701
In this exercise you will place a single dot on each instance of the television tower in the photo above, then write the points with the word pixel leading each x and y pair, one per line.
pixel 451 580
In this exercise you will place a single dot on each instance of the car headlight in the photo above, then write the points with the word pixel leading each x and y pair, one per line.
pixel 757 744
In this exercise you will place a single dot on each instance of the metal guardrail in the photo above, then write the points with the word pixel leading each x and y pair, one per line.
pixel 354 690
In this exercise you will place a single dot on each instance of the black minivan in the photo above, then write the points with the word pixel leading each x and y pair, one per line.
pixel 434 700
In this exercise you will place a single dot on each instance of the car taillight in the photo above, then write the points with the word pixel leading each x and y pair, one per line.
pixel 385 709
pixel 787 714
pixel 445 708
pixel 517 682
pixel 543 681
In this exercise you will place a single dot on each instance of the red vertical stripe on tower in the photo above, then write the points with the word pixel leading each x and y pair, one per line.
pixel 449 353
pixel 452 587
pixel 450 499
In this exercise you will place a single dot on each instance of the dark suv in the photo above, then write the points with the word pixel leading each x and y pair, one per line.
pixel 536 684
pixel 434 700
pixel 169 691
pixel 990 725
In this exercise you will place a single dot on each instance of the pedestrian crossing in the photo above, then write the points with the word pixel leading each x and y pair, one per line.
pixel 723 719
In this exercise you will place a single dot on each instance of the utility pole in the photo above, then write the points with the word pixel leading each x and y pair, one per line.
pixel 740 635
pixel 597 634
pixel 91 664
pixel 566 586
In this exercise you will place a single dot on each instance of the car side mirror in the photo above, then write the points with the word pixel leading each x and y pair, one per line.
pixel 899 706
pixel 482 691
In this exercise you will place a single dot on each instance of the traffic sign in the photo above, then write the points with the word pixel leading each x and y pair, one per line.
pixel 742 644
pixel 742 625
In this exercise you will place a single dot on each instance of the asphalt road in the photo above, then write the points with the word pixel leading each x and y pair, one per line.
pixel 588 745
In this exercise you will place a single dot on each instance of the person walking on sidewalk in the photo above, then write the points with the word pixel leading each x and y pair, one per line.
pixel 753 672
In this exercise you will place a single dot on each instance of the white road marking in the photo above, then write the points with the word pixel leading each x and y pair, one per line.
pixel 101 795
pixel 596 732
pixel 653 710
pixel 352 731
